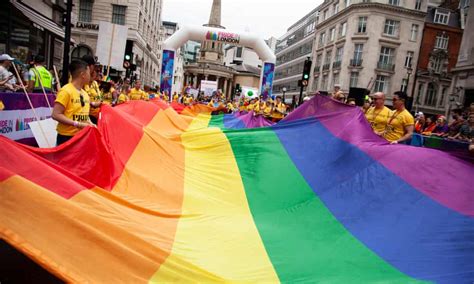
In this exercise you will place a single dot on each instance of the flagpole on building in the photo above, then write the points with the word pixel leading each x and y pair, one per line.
pixel 67 40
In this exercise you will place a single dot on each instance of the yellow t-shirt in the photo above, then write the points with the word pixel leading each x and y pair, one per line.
pixel 95 95
pixel 279 110
pixel 108 97
pixel 230 106
pixel 378 119
pixel 251 107
pixel 396 124
pixel 188 100
pixel 2 106
pixel 175 98
pixel 136 95
pixel 70 98
pixel 267 111
pixel 123 98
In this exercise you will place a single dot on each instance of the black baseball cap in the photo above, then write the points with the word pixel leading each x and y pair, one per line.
pixel 90 60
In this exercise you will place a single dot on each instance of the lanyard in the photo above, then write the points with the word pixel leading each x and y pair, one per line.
pixel 393 117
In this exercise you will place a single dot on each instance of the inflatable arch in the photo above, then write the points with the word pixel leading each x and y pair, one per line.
pixel 201 34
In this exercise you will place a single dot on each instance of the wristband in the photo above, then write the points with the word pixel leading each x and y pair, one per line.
pixel 76 124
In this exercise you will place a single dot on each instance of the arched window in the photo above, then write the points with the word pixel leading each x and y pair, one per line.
pixel 79 51
pixel 431 95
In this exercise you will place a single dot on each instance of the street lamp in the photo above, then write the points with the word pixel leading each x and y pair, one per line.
pixel 284 91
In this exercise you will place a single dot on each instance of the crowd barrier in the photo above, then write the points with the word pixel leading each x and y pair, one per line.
pixel 456 147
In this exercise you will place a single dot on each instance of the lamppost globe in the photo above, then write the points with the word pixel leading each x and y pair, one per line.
pixel 283 90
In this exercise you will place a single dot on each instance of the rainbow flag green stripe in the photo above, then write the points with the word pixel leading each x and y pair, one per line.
pixel 303 239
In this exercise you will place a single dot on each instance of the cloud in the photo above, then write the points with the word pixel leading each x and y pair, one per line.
pixel 262 17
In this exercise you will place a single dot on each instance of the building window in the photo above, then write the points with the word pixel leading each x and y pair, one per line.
pixel 444 93
pixel 322 39
pixel 381 83
pixel 339 53
pixel 332 34
pixel 404 85
pixel 442 41
pixel 386 55
pixel 328 57
pixel 85 11
pixel 437 64
pixel 431 94
pixel 343 29
pixel 335 79
pixel 362 27
pixel 238 52
pixel 441 17
pixel 347 3
pixel 324 83
pixel 409 59
pixel 414 32
pixel 354 79
pixel 418 5
pixel 318 62
pixel 336 8
pixel 358 49
pixel 394 2
pixel 118 14
pixel 310 28
pixel 79 51
pixel 391 27
pixel 325 14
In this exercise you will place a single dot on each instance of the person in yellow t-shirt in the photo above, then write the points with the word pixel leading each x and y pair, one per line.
pixel 137 94
pixel 175 97
pixel 401 123
pixel 72 105
pixel 2 106
pixel 267 112
pixel 92 87
pixel 279 109
pixel 188 100
pixel 378 115
pixel 251 106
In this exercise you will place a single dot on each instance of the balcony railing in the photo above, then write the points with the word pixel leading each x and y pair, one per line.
pixel 386 66
pixel 355 62
pixel 326 66
pixel 336 65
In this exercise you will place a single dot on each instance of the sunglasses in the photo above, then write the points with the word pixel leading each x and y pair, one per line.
pixel 82 100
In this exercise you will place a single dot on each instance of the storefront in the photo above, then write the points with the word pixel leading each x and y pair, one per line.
pixel 25 33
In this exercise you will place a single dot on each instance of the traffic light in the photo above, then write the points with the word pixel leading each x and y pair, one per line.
pixel 127 61
pixel 306 72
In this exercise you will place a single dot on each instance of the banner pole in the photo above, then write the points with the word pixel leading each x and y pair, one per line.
pixel 31 105
pixel 58 86
pixel 42 87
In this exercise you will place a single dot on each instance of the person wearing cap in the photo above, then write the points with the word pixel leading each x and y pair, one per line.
pixel 378 115
pixel 337 94
pixel 40 78
pixel 92 88
pixel 401 123
pixel 72 105
pixel 5 75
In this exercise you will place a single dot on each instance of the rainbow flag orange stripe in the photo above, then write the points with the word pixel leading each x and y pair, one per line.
pixel 153 195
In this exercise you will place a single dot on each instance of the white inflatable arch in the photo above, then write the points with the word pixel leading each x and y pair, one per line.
pixel 202 34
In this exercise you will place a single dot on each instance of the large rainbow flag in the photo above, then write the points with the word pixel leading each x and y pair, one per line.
pixel 157 196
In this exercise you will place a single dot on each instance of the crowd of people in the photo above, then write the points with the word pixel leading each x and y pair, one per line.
pixel 78 103
pixel 399 125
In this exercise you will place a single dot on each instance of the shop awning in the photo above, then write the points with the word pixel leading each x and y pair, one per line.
pixel 38 19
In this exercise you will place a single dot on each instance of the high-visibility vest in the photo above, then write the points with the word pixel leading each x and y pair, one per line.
pixel 43 74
